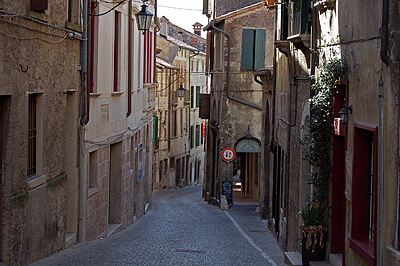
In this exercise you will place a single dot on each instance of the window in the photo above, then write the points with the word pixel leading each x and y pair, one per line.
pixel 300 21
pixel 32 131
pixel 93 23
pixel 363 229
pixel 284 20
pixel 39 5
pixel 174 124
pixel 192 96
pixel 73 12
pixel 93 169
pixel 191 136
pixel 197 96
pixel 181 122
pixel 253 49
pixel 148 53
pixel 197 135
pixel 117 49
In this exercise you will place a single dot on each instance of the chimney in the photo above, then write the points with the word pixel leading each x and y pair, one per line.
pixel 197 28
pixel 194 41
pixel 164 26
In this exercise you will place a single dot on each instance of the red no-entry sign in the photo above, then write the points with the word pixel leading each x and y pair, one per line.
pixel 228 154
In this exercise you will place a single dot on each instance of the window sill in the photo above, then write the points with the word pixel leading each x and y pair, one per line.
pixel 117 93
pixel 74 27
pixel 364 249
pixel 95 94
pixel 37 15
pixel 36 181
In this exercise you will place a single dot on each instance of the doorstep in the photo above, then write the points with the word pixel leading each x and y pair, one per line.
pixel 336 259
pixel 320 263
pixel 293 259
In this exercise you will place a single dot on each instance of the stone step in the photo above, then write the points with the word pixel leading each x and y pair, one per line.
pixel 320 263
pixel 293 259
pixel 335 259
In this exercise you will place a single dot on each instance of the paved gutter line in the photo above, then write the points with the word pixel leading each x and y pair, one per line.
pixel 268 258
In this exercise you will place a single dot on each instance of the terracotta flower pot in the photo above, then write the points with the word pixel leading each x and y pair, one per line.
pixel 313 243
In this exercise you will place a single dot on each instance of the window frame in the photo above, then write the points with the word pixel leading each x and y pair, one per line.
pixel 360 243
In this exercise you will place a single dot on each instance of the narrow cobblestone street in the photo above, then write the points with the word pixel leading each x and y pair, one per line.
pixel 182 229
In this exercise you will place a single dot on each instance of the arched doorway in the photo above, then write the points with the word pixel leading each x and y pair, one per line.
pixel 248 151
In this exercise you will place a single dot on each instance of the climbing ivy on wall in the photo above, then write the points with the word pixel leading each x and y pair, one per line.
pixel 318 141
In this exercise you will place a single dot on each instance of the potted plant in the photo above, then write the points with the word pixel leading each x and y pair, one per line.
pixel 318 144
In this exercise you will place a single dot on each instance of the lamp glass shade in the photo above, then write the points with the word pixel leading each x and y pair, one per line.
pixel 344 115
pixel 180 91
pixel 143 18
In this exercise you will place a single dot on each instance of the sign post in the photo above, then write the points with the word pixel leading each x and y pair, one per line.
pixel 228 154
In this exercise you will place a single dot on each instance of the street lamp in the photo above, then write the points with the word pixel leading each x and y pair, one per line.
pixel 143 18
pixel 344 113
pixel 180 91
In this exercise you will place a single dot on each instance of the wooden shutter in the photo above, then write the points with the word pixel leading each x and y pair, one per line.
pixel 192 96
pixel 204 108
pixel 259 50
pixel 191 136
pixel 247 49
pixel 197 96
pixel 155 129
pixel 39 5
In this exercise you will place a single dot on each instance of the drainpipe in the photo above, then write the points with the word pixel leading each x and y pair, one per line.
pixel 228 70
pixel 84 117
pixel 385 32
pixel 381 175
pixel 130 28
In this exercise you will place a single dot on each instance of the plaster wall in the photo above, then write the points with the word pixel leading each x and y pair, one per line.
pixel 33 227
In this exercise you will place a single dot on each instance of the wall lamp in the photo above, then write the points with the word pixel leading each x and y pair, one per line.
pixel 344 113
pixel 143 18
pixel 164 124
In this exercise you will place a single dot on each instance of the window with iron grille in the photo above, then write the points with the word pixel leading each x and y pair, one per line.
pixel 32 133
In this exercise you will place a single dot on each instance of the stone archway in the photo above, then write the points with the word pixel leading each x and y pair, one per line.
pixel 248 152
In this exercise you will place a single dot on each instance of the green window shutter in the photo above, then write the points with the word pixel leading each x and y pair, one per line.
pixel 284 20
pixel 197 135
pixel 197 96
pixel 259 51
pixel 191 137
pixel 304 16
pixel 247 49
pixel 192 96
pixel 155 129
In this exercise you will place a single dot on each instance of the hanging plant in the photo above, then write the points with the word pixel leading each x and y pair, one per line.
pixel 318 143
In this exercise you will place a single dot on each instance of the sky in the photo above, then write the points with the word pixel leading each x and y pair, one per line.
pixel 183 13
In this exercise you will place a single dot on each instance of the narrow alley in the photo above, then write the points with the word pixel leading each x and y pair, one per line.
pixel 182 229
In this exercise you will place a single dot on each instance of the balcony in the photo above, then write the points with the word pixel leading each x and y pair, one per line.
pixel 149 97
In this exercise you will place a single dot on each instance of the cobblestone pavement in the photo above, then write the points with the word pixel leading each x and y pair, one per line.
pixel 181 229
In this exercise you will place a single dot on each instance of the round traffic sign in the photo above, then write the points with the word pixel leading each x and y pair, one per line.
pixel 228 154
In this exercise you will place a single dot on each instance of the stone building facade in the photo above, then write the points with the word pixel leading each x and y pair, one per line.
pixel 39 111
pixel 117 143
pixel 240 45
pixel 179 158
pixel 363 189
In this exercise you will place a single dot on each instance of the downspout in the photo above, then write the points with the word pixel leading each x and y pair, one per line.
pixel 228 70
pixel 386 60
pixel 130 43
pixel 381 175
pixel 385 32
pixel 84 118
